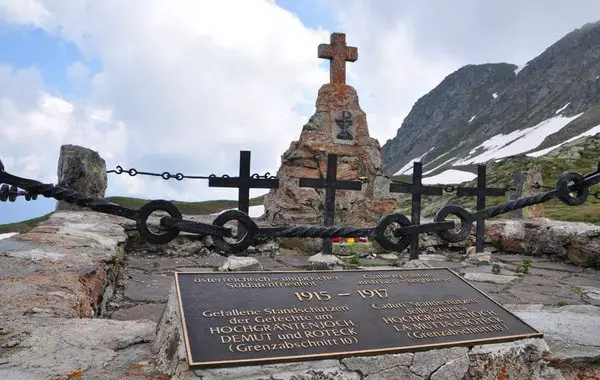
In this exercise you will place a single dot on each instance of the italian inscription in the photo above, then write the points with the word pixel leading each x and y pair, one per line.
pixel 263 317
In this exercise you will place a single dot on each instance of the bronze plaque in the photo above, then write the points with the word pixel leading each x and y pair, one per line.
pixel 234 318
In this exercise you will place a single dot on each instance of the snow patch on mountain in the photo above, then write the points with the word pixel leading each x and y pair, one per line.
pixel 450 176
pixel 407 169
pixel 590 132
pixel 517 142
pixel 472 118
pixel 520 68
pixel 495 95
pixel 439 166
pixel 562 108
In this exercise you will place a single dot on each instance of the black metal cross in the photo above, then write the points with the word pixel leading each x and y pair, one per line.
pixel 481 192
pixel 417 189
pixel 330 184
pixel 244 182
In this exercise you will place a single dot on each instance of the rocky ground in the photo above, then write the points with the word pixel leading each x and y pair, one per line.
pixel 80 300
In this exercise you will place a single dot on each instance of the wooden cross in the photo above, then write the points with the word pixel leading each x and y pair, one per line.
pixel 416 189
pixel 244 182
pixel 338 53
pixel 481 192
pixel 330 184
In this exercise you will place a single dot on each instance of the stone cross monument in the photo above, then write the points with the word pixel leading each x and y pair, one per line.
pixel 338 126
pixel 338 53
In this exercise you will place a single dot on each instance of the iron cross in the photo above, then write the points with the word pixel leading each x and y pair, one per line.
pixel 416 189
pixel 330 184
pixel 338 53
pixel 244 182
pixel 481 192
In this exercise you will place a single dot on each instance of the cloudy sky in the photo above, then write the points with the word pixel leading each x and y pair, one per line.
pixel 184 85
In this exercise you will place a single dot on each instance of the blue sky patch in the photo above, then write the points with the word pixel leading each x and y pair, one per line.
pixel 24 47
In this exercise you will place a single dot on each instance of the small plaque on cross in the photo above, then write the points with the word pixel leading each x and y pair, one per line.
pixel 343 128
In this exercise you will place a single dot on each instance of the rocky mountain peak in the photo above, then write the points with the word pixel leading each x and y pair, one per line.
pixel 556 94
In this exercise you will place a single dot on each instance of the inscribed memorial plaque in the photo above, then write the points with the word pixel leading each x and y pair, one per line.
pixel 265 317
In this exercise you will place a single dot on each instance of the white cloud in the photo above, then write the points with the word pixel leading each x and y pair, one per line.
pixel 191 83
pixel 34 124
pixel 391 73
pixel 24 11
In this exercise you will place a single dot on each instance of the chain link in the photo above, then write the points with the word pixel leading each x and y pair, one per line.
pixel 178 176
pixel 392 232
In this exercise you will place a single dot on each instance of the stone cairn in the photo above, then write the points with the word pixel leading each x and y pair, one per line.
pixel 338 126
pixel 81 169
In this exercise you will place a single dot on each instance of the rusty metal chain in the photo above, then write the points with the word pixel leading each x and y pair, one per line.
pixel 393 232
pixel 178 176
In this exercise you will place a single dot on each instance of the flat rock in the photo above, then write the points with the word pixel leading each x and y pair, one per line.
pixel 324 261
pixel 371 365
pixel 571 331
pixel 388 256
pixel 210 261
pixel 432 257
pixel 416 264
pixel 294 260
pixel 269 263
pixel 234 263
pixel 490 277
pixel 160 263
pixel 52 347
pixel 149 311
pixel 147 287
pixel 455 369
pixel 427 362
pixel 591 292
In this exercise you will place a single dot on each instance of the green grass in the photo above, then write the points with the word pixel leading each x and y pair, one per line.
pixel 501 174
pixel 190 208
pixel 23 226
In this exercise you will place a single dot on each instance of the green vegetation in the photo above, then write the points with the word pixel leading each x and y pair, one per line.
pixel 580 156
pixel 451 256
pixel 23 226
pixel 524 268
pixel 496 269
pixel 190 208
pixel 562 303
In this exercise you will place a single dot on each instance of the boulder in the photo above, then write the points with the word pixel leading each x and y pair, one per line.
pixel 83 170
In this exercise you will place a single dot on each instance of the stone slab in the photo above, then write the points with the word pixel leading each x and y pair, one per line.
pixel 147 287
pixel 294 260
pixel 159 263
pixel 56 347
pixel 490 277
pixel 571 331
pixel 149 311
pixel 269 263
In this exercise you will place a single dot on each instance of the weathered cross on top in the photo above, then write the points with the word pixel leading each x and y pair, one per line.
pixel 244 182
pixel 330 184
pixel 481 192
pixel 338 53
pixel 416 189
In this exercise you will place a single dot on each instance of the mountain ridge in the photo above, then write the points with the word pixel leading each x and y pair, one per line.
pixel 451 125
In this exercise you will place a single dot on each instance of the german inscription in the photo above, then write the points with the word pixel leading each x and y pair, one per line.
pixel 263 317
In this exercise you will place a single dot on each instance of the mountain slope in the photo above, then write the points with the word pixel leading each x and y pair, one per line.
pixel 475 112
